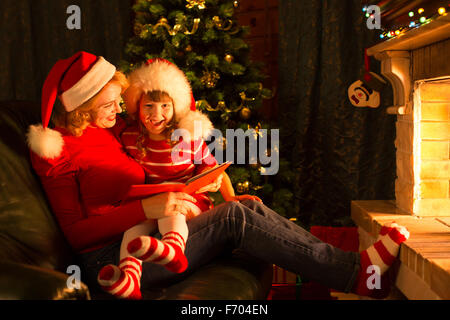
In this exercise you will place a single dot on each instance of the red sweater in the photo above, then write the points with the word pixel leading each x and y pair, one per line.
pixel 84 186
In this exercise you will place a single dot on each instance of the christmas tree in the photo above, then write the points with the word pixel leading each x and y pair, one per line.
pixel 203 38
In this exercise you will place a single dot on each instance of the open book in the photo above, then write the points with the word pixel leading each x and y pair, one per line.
pixel 140 191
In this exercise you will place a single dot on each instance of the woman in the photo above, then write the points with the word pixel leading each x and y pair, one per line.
pixel 85 172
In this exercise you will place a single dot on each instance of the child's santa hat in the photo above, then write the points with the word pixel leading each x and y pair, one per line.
pixel 74 81
pixel 161 75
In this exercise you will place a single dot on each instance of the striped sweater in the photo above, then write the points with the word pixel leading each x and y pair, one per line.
pixel 165 163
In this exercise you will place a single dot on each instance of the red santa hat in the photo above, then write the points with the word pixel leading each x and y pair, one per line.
pixel 74 81
pixel 162 75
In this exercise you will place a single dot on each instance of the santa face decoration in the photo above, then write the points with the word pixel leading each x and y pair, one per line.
pixel 361 95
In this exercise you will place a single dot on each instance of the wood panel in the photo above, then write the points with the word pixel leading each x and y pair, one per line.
pixel 431 61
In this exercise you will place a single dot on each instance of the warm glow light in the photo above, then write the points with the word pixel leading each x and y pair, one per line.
pixel 441 10
pixel 397 32
pixel 421 10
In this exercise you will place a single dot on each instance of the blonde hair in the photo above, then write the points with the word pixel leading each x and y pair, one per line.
pixel 77 120
pixel 155 96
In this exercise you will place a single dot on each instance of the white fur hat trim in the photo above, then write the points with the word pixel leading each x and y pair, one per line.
pixel 160 75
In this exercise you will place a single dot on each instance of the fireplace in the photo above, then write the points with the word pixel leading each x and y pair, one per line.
pixel 422 143
pixel 417 65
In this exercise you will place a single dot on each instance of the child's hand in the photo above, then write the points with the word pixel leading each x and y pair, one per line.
pixel 244 197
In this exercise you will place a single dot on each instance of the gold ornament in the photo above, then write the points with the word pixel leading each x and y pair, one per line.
pixel 221 25
pixel 163 22
pixel 188 48
pixel 229 58
pixel 199 3
pixel 243 187
pixel 210 78
pixel 236 3
pixel 220 105
pixel 245 113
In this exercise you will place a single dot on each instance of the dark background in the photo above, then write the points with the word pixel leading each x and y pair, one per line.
pixel 312 51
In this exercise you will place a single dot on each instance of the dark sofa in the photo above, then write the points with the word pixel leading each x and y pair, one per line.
pixel 34 255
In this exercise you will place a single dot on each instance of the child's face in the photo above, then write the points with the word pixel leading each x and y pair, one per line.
pixel 155 115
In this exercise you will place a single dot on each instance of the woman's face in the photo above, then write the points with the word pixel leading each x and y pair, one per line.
pixel 107 106
pixel 155 115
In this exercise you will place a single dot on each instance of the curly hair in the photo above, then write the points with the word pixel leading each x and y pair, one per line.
pixel 77 120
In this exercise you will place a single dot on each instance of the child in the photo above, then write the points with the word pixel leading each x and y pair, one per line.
pixel 160 99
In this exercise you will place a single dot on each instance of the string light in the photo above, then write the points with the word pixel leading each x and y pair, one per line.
pixel 412 24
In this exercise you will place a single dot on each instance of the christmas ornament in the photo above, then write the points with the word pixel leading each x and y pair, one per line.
pixel 221 25
pixel 229 58
pixel 209 79
pixel 221 106
pixel 245 113
pixel 365 92
pixel 243 187
pixel 199 3
pixel 164 23
pixel 236 4
pixel 188 48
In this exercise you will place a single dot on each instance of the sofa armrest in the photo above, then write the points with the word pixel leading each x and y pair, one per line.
pixel 27 282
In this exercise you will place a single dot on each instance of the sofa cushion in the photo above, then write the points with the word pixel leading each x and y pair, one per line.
pixel 28 231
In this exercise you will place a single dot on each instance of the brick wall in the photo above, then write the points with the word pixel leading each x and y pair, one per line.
pixel 423 163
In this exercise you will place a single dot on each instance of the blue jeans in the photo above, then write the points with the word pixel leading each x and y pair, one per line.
pixel 254 228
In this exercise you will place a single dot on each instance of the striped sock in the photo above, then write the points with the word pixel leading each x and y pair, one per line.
pixel 169 251
pixel 381 254
pixel 123 281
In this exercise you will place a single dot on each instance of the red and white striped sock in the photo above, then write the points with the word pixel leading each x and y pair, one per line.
pixel 381 254
pixel 169 251
pixel 123 281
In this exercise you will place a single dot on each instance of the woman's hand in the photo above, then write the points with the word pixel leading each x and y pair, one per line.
pixel 167 204
pixel 244 197
pixel 212 187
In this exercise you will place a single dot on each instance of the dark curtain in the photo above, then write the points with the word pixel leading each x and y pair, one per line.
pixel 34 35
pixel 341 153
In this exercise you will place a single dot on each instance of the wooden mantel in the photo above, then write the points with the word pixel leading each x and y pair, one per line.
pixel 435 31
pixel 395 57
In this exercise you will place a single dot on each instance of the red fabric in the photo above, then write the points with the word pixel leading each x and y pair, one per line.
pixel 384 254
pixel 84 185
pixel 345 238
pixel 51 87
pixel 81 65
